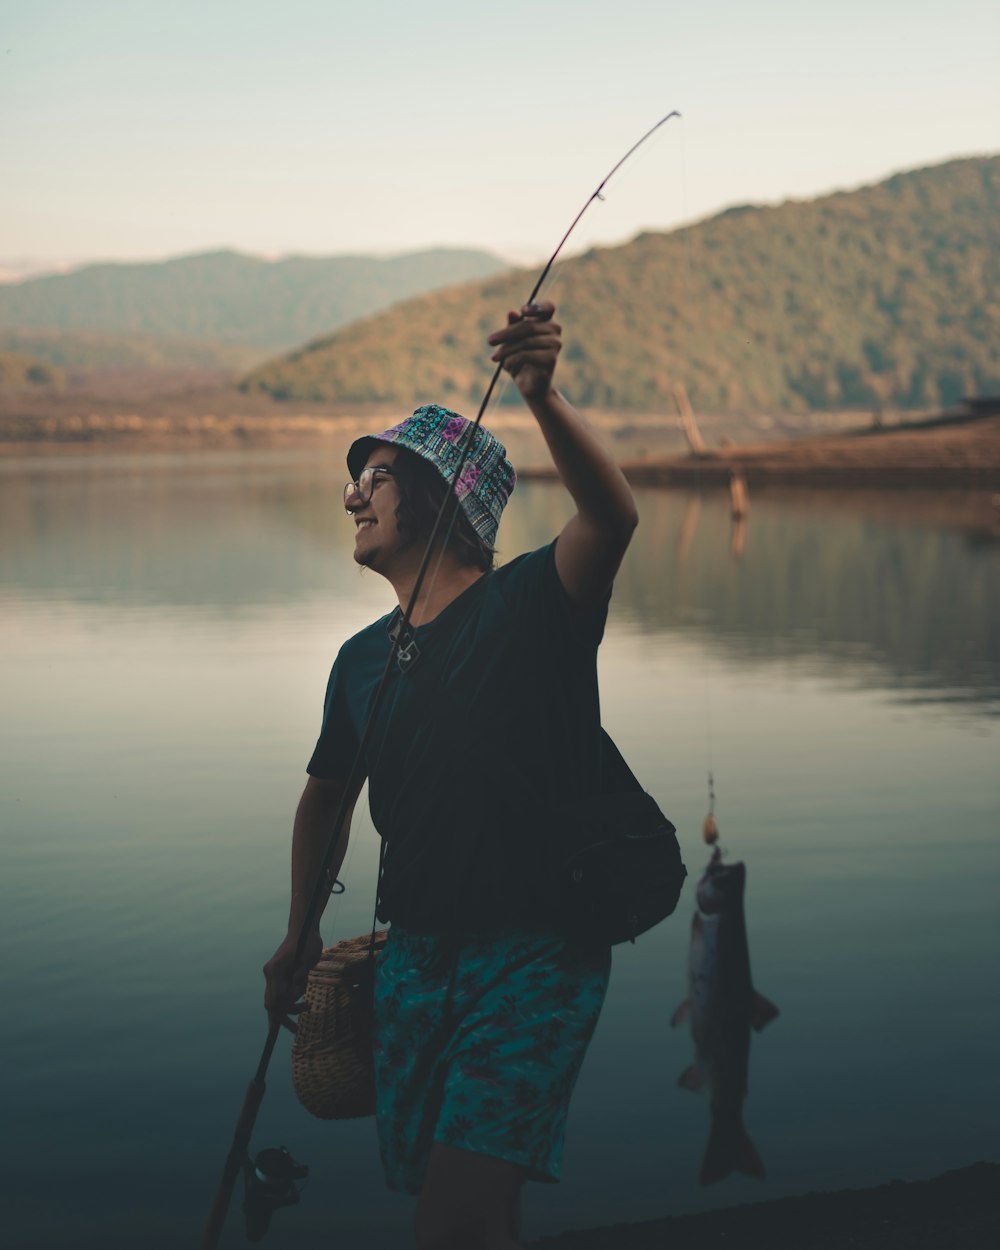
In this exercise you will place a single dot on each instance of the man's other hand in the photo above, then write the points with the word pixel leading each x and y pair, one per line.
pixel 285 979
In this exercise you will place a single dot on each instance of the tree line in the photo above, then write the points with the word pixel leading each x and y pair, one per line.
pixel 884 297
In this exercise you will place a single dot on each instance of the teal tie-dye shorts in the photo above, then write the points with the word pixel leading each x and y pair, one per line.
pixel 478 1044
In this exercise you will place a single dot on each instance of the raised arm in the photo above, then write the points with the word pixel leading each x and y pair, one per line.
pixel 594 540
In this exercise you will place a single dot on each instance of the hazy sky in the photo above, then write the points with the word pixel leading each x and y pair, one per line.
pixel 144 128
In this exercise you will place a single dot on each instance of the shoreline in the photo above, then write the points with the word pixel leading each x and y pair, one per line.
pixel 962 453
pixel 823 450
pixel 957 1210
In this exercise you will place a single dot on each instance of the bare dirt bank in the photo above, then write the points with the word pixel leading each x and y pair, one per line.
pixel 957 452
pixel 952 453
pixel 956 1211
pixel 176 420
pixel 821 450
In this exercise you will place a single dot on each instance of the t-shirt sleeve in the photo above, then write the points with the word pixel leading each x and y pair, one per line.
pixel 534 591
pixel 337 744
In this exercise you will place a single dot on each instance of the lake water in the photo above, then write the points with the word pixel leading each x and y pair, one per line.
pixel 167 624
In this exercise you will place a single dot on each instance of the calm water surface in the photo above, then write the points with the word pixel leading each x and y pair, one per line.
pixel 167 625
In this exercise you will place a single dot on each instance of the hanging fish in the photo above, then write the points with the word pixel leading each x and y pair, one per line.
pixel 723 1006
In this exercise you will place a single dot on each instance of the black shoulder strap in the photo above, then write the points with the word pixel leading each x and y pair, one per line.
pixel 441 708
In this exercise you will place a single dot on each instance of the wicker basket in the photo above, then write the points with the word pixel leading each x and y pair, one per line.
pixel 332 1068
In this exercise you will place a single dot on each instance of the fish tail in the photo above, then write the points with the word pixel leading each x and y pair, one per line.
pixel 729 1150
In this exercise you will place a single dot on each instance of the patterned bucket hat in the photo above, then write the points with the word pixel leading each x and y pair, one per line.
pixel 438 435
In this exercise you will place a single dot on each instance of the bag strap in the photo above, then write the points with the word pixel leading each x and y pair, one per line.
pixel 408 656
pixel 378 886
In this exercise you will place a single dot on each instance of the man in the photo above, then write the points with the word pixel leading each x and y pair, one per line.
pixel 490 723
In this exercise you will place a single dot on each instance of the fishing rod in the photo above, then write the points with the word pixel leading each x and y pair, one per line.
pixel 238 1159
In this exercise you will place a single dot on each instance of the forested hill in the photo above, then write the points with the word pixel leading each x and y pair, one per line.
pixel 231 298
pixel 884 296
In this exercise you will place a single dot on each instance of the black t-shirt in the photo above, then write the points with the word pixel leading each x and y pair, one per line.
pixel 494 722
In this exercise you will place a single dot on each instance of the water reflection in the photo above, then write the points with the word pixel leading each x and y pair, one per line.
pixel 897 590
pixel 167 627
pixel 722 1006
pixel 175 531
pixel 877 592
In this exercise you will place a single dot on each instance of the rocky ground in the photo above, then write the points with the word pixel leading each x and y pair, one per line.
pixel 957 1211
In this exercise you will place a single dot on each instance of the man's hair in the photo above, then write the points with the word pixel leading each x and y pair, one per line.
pixel 422 491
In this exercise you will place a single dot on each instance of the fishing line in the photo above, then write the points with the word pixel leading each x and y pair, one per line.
pixel 238 1153
pixel 710 827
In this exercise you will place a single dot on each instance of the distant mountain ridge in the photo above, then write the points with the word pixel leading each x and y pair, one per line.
pixel 884 296
pixel 231 298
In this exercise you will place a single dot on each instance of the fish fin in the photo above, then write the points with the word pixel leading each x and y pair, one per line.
pixel 681 1014
pixel 692 1078
pixel 729 1150
pixel 762 1012
pixel 749 1160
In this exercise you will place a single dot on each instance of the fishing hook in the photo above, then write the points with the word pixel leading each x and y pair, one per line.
pixel 238 1151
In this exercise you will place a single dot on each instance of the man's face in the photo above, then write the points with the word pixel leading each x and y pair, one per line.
pixel 377 536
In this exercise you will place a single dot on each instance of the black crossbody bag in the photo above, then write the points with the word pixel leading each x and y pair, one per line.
pixel 614 863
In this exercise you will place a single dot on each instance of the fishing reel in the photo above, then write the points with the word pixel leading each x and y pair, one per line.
pixel 270 1184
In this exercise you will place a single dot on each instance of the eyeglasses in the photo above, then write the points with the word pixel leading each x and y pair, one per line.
pixel 363 487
